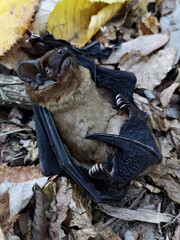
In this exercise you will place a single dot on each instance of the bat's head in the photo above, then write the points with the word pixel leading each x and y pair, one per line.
pixel 51 76
pixel 49 69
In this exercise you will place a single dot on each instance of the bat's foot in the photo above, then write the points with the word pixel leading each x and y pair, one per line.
pixel 100 171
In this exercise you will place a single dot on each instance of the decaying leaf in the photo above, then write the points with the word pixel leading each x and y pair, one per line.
pixel 23 192
pixel 167 94
pixel 78 21
pixel 170 23
pixel 60 208
pixel 108 233
pixel 39 220
pixel 71 208
pixel 163 179
pixel 144 45
pixel 143 215
pixel 148 74
pixel 15 18
pixel 18 174
pixel 4 211
pixel 167 6
pixel 41 17
pixel 15 55
pixel 2 236
pixel 148 25
pixel 18 183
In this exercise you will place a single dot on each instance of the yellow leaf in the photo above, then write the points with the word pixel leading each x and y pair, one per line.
pixel 15 18
pixel 101 18
pixel 108 1
pixel 77 21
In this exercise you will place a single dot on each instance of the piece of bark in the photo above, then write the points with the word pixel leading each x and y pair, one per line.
pixel 12 92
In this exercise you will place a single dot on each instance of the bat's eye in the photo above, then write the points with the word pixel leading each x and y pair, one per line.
pixel 60 51
pixel 47 70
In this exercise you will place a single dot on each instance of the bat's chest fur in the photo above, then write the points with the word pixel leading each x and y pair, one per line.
pixel 90 114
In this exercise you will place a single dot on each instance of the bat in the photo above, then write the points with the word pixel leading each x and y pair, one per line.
pixel 74 103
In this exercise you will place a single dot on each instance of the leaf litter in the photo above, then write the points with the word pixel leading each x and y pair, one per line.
pixel 68 211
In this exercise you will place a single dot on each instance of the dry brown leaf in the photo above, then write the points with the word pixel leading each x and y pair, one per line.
pixel 162 179
pixel 167 174
pixel 18 182
pixel 157 117
pixel 148 25
pixel 176 136
pixel 143 215
pixel 176 235
pixel 144 45
pixel 108 233
pixel 60 209
pixel 2 236
pixel 4 212
pixel 18 174
pixel 72 207
pixel 15 18
pixel 13 57
pixel 167 93
pixel 148 74
pixel 81 216
pixel 21 191
pixel 170 23
pixel 41 17
pixel 39 218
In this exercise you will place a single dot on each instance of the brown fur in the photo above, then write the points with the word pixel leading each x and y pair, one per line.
pixel 78 109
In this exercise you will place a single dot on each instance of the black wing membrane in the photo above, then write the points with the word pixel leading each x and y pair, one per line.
pixel 119 82
pixel 132 157
pixel 55 160
pixel 47 158
pixel 44 43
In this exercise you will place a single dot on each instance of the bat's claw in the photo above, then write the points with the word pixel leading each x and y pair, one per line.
pixel 100 171
pixel 121 102
pixel 34 36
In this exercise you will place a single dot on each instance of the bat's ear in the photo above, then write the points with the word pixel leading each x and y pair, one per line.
pixel 28 71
